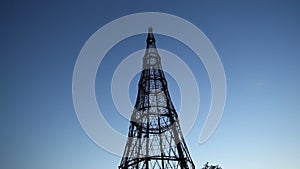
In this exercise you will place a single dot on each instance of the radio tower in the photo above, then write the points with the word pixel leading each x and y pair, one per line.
pixel 155 140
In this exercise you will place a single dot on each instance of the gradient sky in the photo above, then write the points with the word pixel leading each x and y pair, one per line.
pixel 257 41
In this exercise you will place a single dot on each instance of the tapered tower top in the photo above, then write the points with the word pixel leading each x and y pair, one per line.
pixel 150 29
pixel 150 39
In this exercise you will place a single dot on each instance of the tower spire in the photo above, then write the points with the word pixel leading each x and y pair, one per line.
pixel 150 39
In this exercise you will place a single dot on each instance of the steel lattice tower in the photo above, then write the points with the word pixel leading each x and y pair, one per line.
pixel 155 140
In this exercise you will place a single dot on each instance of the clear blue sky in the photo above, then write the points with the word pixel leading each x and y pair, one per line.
pixel 258 42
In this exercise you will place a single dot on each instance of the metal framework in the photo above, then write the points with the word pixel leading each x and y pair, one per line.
pixel 155 140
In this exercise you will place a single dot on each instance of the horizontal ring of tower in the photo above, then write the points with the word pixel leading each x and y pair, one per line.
pixel 145 108
pixel 152 72
pixel 152 86
pixel 143 128
pixel 138 160
pixel 157 125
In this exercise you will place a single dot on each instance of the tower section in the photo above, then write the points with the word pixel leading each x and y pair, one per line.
pixel 155 140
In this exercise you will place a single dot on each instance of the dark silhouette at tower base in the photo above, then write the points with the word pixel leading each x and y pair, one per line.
pixel 206 166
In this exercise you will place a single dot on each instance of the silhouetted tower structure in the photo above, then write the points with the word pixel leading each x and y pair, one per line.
pixel 155 140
